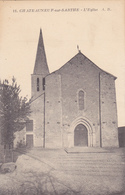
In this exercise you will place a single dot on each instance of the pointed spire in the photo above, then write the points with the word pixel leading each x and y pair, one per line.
pixel 41 66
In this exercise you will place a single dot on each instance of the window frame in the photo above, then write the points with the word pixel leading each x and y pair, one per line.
pixel 84 100
pixel 27 131
pixel 44 83
pixel 37 84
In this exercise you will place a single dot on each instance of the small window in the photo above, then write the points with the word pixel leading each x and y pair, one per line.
pixel 37 84
pixel 43 83
pixel 29 125
pixel 81 100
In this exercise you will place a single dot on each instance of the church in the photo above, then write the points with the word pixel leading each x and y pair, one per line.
pixel 74 106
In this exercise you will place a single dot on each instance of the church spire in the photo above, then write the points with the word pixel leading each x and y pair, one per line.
pixel 41 66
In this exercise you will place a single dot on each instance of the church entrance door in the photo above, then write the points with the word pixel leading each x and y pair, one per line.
pixel 80 136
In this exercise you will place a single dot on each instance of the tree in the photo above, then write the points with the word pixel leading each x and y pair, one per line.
pixel 14 110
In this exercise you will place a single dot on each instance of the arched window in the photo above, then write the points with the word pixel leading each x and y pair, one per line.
pixel 37 84
pixel 81 99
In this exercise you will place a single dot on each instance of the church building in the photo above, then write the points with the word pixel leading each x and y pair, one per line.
pixel 74 106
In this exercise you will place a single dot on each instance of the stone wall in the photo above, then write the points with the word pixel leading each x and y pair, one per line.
pixel 37 115
pixel 34 92
pixel 37 108
pixel 80 74
pixel 56 112
pixel 53 112
pixel 109 127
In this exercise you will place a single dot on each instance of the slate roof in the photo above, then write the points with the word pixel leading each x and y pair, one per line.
pixel 41 66
pixel 78 56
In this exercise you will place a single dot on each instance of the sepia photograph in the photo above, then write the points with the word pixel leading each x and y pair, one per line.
pixel 62 97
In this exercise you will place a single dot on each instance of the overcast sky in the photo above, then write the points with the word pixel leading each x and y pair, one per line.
pixel 96 26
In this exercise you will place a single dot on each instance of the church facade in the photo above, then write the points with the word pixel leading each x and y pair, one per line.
pixel 75 106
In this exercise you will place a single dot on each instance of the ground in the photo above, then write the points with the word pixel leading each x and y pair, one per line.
pixel 58 172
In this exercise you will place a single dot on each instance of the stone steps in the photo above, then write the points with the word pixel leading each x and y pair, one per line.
pixel 90 169
pixel 94 163
pixel 88 158
pixel 89 164
pixel 114 159
pixel 106 164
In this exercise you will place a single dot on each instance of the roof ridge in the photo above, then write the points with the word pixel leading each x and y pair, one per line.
pixel 80 53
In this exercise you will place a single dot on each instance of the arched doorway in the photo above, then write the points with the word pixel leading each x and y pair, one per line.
pixel 80 136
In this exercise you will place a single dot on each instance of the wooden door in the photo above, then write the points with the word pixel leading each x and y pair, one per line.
pixel 80 136
pixel 29 140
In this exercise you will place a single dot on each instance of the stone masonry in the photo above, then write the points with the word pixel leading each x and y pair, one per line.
pixel 73 106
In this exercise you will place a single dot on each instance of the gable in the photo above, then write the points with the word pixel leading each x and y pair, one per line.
pixel 80 64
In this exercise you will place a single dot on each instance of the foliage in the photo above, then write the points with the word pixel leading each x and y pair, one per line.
pixel 20 144
pixel 14 110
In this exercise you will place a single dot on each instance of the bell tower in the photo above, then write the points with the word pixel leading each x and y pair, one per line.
pixel 40 70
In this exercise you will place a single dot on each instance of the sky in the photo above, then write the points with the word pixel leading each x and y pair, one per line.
pixel 96 26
